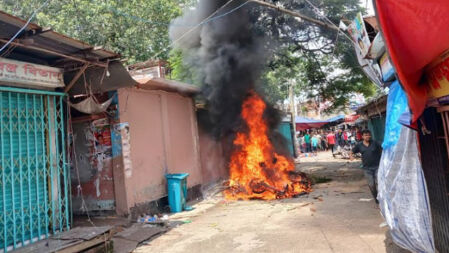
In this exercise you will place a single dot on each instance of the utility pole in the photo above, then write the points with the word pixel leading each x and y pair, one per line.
pixel 291 96
pixel 295 14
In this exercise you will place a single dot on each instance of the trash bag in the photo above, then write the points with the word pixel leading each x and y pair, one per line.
pixel 403 197
pixel 396 106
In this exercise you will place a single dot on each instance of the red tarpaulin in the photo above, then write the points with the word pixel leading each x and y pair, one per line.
pixel 351 118
pixel 415 33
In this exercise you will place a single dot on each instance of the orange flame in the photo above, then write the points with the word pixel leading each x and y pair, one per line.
pixel 256 170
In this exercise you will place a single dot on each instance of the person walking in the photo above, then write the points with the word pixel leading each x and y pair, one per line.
pixel 301 143
pixel 319 146
pixel 323 141
pixel 331 141
pixel 315 141
pixel 340 140
pixel 371 152
pixel 307 141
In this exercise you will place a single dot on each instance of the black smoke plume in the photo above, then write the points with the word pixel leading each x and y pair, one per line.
pixel 229 54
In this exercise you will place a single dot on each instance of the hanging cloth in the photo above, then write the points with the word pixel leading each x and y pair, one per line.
pixel 90 105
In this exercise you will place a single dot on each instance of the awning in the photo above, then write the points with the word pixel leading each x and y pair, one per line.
pixel 39 45
pixel 415 33
pixel 303 123
pixel 351 118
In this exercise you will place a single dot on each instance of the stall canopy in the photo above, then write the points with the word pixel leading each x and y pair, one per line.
pixel 415 33
pixel 303 123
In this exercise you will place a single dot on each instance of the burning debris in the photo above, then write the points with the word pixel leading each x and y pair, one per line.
pixel 229 55
pixel 256 170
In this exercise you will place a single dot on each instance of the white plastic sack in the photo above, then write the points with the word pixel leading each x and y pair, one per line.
pixel 90 106
pixel 403 195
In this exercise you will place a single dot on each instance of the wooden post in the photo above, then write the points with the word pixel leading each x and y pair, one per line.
pixel 76 77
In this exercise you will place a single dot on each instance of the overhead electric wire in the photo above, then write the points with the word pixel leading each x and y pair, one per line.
pixel 174 24
pixel 196 26
pixel 317 11
pixel 24 26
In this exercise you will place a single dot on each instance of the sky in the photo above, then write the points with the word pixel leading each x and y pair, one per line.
pixel 368 4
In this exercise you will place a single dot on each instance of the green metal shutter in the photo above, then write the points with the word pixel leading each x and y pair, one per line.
pixel 377 128
pixel 286 131
pixel 34 179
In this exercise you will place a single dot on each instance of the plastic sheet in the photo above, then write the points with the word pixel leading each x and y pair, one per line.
pixel 90 105
pixel 396 105
pixel 403 195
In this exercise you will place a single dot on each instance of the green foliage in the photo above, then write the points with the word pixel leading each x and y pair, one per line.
pixel 320 64
pixel 180 70
pixel 135 28
pixel 324 63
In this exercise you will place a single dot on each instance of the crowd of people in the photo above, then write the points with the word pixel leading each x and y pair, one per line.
pixel 347 143
pixel 312 141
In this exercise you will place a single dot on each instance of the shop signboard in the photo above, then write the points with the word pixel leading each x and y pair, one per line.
pixel 437 74
pixel 24 73
pixel 386 68
pixel 359 34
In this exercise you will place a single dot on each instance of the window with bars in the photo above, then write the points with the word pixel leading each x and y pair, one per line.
pixel 34 179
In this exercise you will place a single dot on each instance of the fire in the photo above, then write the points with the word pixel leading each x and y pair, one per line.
pixel 256 170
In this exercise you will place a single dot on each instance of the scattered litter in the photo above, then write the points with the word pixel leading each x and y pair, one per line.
pixel 383 224
pixel 312 209
pixel 320 199
pixel 306 204
pixel 164 217
pixel 317 197
pixel 146 219
pixel 187 221
pixel 365 200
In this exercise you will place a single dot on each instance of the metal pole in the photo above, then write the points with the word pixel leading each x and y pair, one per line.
pixel 19 157
pixel 29 157
pixel 37 92
pixel 11 160
pixel 36 168
pixel 2 137
pixel 293 113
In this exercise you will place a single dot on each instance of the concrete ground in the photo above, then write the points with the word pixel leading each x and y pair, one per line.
pixel 338 216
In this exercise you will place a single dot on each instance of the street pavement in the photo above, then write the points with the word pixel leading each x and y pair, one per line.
pixel 338 216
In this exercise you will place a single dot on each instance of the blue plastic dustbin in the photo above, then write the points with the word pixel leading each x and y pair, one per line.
pixel 177 191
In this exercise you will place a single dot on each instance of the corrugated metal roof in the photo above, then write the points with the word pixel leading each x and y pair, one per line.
pixel 35 36
pixel 167 85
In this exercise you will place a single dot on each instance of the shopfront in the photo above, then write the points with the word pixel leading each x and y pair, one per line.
pixel 34 180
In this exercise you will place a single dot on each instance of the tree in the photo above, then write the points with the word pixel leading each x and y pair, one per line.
pixel 329 68
pixel 180 70
pixel 138 29
pixel 321 62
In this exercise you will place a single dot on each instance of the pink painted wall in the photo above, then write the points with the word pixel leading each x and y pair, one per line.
pixel 163 139
pixel 213 162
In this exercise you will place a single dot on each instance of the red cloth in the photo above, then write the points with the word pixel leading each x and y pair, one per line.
pixel 331 139
pixel 358 135
pixel 305 126
pixel 415 33
pixel 345 136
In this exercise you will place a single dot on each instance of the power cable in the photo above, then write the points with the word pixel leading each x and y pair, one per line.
pixel 26 24
pixel 174 24
pixel 318 12
pixel 199 24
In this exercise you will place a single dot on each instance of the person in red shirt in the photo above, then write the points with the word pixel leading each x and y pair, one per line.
pixel 331 141
pixel 358 135
pixel 345 137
